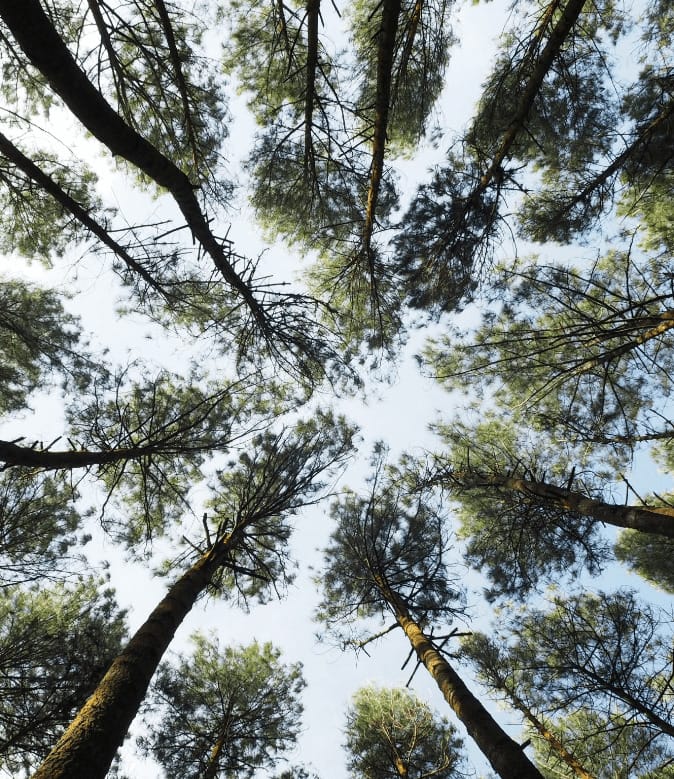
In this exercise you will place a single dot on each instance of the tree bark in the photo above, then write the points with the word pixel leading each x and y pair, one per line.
pixel 88 746
pixel 504 754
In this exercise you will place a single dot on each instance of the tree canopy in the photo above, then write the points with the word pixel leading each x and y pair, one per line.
pixel 227 226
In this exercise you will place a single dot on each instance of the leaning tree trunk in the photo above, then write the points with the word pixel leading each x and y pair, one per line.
pixel 657 520
pixel 88 746
pixel 551 739
pixel 505 755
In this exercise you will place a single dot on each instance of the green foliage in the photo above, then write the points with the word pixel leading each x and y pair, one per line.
pixel 38 525
pixel 391 733
pixel 233 710
pixel 55 645
pixel 157 435
pixel 608 653
pixel 497 477
pixel 608 750
pixel 421 51
pixel 390 542
pixel 32 223
pixel 586 354
pixel 447 238
pixel 650 556
pixel 38 339
pixel 254 498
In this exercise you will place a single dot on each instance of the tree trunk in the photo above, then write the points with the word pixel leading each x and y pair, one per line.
pixel 504 754
pixel 647 520
pixel 88 746
pixel 214 758
pixel 385 51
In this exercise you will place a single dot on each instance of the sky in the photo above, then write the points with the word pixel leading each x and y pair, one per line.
pixel 397 411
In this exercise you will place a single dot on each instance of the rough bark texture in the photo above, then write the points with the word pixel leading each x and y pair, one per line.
pixel 87 748
pixel 504 754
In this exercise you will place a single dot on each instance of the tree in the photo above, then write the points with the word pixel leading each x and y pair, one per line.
pixel 244 557
pixel 40 341
pixel 584 353
pixel 530 513
pixel 608 654
pixel 39 523
pixel 387 557
pixel 648 555
pixel 55 645
pixel 392 734
pixel 608 749
pixel 223 710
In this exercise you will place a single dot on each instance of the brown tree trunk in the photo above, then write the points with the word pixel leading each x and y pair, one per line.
pixel 659 521
pixel 504 754
pixel 214 759
pixel 385 51
pixel 88 746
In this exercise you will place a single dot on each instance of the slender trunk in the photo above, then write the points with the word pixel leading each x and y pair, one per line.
pixel 639 144
pixel 313 10
pixel 385 51
pixel 504 754
pixel 659 521
pixel 401 767
pixel 43 47
pixel 555 744
pixel 179 78
pixel 88 746
pixel 69 204
pixel 537 73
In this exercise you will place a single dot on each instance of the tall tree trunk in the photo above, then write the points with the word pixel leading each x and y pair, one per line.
pixel 657 520
pixel 313 12
pixel 504 754
pixel 214 758
pixel 385 53
pixel 88 746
